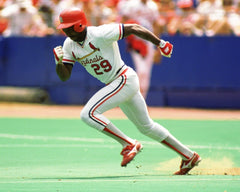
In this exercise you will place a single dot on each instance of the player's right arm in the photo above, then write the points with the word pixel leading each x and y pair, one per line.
pixel 63 70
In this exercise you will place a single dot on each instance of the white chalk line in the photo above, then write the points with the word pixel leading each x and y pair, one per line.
pixel 46 138
pixel 57 146
pixel 135 179
pixel 92 142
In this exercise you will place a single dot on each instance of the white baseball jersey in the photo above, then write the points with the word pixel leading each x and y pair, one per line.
pixel 99 54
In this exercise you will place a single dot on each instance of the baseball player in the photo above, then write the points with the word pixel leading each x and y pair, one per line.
pixel 96 49
pixel 144 13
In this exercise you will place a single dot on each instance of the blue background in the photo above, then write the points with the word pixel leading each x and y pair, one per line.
pixel 203 72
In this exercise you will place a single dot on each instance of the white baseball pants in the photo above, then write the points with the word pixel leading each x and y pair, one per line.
pixel 125 93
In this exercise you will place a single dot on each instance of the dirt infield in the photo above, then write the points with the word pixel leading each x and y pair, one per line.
pixel 68 111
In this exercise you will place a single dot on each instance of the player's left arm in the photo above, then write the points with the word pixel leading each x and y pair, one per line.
pixel 140 31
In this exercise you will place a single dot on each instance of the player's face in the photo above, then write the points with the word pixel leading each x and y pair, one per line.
pixel 75 36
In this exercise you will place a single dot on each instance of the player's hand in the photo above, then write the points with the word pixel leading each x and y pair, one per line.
pixel 166 48
pixel 58 54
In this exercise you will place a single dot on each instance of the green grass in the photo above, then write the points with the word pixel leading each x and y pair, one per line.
pixel 64 155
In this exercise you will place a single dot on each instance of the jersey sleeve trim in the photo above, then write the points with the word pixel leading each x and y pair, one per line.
pixel 68 61
pixel 121 31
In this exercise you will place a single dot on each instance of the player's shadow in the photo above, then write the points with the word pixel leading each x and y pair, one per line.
pixel 94 178
pixel 91 178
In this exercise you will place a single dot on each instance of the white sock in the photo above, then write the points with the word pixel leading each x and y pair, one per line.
pixel 178 147
pixel 112 131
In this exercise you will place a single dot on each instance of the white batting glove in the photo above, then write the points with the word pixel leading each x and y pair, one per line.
pixel 166 48
pixel 58 54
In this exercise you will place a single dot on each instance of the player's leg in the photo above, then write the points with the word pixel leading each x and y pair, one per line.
pixel 136 111
pixel 105 99
pixel 112 95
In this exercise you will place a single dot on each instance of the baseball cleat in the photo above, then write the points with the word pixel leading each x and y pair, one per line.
pixel 129 152
pixel 187 165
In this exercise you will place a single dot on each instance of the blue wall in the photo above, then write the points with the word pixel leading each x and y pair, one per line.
pixel 203 72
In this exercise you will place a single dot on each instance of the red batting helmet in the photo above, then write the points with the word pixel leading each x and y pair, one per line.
pixel 73 17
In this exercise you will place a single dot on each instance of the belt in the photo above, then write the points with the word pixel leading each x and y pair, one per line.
pixel 118 71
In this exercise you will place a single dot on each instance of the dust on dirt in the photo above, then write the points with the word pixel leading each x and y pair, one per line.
pixel 208 166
